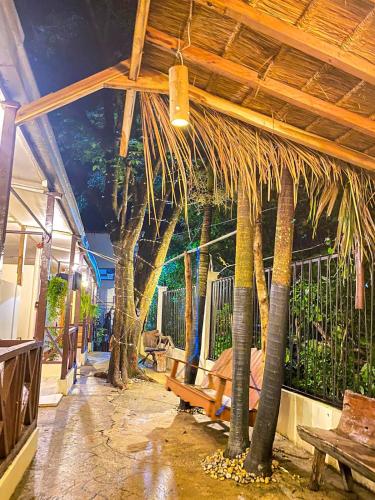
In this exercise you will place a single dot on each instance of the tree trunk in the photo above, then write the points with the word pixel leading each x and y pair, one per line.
pixel 259 459
pixel 114 370
pixel 194 347
pixel 151 278
pixel 242 328
pixel 261 284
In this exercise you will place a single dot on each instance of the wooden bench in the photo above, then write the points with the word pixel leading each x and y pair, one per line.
pixel 156 345
pixel 214 395
pixel 352 443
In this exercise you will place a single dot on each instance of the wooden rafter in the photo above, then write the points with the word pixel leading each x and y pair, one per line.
pixel 152 81
pixel 290 35
pixel 249 77
pixel 135 65
pixel 70 93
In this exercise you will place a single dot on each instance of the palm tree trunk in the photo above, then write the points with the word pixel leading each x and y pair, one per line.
pixel 259 459
pixel 261 284
pixel 242 328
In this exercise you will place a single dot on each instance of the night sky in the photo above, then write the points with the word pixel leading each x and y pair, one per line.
pixel 64 42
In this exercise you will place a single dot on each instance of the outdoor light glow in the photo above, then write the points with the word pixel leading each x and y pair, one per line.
pixel 180 122
pixel 179 95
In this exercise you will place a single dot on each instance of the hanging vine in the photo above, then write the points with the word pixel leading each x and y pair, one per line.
pixel 56 297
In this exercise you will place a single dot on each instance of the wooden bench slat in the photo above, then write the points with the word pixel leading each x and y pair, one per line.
pixel 357 456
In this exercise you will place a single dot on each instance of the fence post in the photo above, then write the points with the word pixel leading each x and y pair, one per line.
pixel 212 276
pixel 159 315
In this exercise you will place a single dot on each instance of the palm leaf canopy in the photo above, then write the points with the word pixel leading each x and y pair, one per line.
pixel 231 147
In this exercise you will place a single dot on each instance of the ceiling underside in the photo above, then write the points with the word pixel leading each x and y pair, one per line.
pixel 348 25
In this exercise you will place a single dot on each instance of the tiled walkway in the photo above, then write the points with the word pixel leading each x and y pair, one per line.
pixel 99 443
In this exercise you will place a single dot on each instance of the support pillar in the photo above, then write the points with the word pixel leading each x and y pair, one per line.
pixel 206 333
pixel 69 297
pixel 159 314
pixel 44 269
pixel 7 144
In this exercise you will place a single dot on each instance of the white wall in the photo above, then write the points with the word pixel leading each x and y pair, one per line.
pixel 9 304
pixel 17 303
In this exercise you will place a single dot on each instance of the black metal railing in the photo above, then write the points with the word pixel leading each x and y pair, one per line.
pixel 221 317
pixel 173 315
pixel 331 345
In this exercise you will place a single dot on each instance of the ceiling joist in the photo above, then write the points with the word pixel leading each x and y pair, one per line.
pixel 135 65
pixel 292 36
pixel 246 76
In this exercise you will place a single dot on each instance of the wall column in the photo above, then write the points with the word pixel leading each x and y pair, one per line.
pixel 44 269
pixel 7 144
pixel 212 276
pixel 159 314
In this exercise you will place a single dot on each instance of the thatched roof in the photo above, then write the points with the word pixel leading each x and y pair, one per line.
pixel 348 25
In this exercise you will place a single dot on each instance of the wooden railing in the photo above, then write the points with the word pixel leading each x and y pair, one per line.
pixel 20 365
pixel 69 357
pixel 53 344
pixel 85 335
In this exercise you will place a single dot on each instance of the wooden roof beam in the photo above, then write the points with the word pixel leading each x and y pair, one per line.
pixel 246 76
pixel 288 34
pixel 71 93
pixel 135 64
pixel 157 82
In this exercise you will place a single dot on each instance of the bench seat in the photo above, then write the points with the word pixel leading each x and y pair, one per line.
pixel 214 395
pixel 352 444
pixel 357 456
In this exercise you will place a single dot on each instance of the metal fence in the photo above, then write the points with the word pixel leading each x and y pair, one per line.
pixel 331 345
pixel 173 315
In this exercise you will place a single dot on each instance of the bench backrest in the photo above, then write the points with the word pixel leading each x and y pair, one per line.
pixel 151 338
pixel 358 419
pixel 223 367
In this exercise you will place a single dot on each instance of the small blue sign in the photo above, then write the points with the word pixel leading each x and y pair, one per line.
pixel 107 274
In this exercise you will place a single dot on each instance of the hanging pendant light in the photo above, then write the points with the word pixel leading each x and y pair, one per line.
pixel 179 95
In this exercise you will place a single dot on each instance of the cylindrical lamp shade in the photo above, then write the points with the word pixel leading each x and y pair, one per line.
pixel 179 95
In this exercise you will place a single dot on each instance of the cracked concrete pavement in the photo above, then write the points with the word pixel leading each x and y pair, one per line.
pixel 100 443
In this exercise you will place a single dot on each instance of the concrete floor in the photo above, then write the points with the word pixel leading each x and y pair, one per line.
pixel 103 444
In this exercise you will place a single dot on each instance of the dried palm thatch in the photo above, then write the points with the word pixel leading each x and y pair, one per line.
pixel 230 147
pixel 348 25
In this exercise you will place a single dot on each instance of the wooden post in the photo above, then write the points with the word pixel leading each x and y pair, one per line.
pixel 188 304
pixel 21 255
pixel 66 340
pixel 347 478
pixel 359 280
pixel 317 469
pixel 44 269
pixel 7 143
